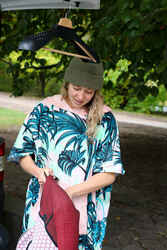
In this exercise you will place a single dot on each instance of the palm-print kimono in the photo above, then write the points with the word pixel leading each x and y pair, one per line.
pixel 55 136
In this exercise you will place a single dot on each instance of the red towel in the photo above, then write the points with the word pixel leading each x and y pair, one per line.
pixel 59 215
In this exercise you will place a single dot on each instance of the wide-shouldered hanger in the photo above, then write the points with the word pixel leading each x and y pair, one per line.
pixel 65 30
pixel 66 22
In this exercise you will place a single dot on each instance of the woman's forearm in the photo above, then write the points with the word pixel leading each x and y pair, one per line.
pixel 93 184
pixel 29 166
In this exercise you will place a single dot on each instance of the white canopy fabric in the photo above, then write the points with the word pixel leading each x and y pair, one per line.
pixel 48 4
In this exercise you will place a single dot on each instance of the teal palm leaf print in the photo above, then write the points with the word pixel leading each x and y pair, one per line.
pixel 73 128
pixel 103 191
pixel 111 127
pixel 68 160
pixel 111 144
pixel 70 125
pixel 57 138
pixel 47 121
pixel 41 123
pixel 28 144
pixel 96 228
pixel 32 123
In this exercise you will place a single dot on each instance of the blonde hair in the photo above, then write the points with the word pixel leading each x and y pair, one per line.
pixel 95 110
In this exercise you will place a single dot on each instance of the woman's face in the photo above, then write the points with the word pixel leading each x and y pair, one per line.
pixel 79 96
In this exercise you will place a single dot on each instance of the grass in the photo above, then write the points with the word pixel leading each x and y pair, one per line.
pixel 10 118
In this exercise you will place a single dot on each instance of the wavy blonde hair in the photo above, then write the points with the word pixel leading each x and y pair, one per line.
pixel 95 110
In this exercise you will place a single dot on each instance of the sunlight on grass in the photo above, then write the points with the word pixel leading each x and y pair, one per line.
pixel 10 118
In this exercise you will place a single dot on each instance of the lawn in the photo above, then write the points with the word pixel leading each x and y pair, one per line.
pixel 11 118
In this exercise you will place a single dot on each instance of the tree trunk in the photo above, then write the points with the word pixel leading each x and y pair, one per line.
pixel 42 82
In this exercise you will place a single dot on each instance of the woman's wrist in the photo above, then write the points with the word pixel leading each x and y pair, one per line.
pixel 30 167
pixel 70 192
pixel 42 174
pixel 77 190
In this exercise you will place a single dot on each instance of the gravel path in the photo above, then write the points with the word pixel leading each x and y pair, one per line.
pixel 26 104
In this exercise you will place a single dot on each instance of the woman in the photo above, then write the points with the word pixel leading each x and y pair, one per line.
pixel 74 137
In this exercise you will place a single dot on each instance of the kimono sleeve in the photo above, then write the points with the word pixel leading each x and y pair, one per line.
pixel 109 147
pixel 25 141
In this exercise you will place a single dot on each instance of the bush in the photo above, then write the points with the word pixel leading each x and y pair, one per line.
pixel 150 103
pixel 111 99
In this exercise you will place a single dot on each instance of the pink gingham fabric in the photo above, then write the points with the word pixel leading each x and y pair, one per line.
pixel 36 238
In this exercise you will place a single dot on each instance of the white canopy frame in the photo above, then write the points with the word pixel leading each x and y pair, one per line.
pixel 48 4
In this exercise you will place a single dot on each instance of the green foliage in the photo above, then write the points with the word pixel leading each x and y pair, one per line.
pixel 143 107
pixel 134 30
pixel 131 30
pixel 162 96
pixel 5 80
pixel 53 87
pixel 25 66
pixel 120 94
pixel 117 85
pixel 111 99
pixel 149 104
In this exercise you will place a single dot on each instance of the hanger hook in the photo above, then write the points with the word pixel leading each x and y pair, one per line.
pixel 67 13
pixel 68 10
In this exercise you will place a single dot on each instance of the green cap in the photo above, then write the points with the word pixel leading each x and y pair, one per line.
pixel 86 74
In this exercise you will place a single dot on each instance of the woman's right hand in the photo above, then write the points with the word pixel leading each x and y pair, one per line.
pixel 43 173
pixel 30 167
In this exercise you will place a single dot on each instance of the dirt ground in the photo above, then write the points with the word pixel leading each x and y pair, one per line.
pixel 143 153
pixel 137 219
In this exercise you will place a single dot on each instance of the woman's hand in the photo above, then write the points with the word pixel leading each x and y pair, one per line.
pixel 43 173
pixel 30 167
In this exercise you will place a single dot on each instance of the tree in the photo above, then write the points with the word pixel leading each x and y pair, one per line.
pixel 15 26
pixel 137 31
pixel 131 30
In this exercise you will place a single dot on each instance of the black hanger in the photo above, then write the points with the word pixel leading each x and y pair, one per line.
pixel 64 30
